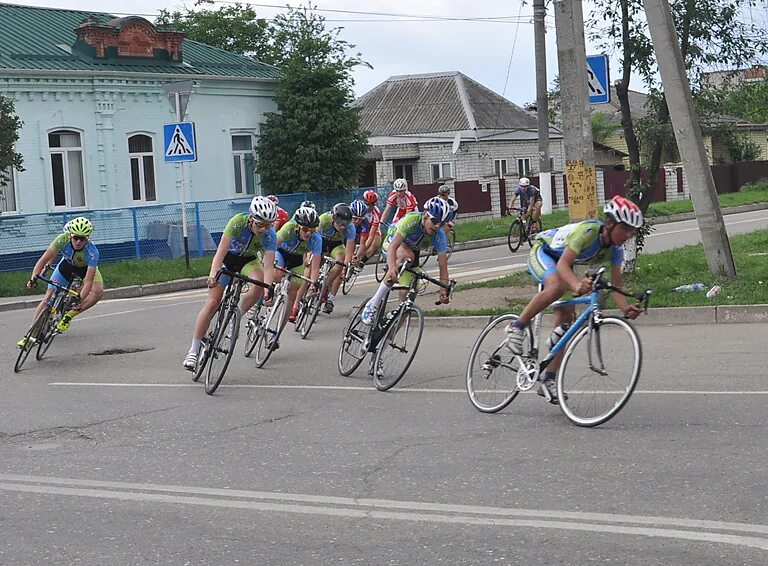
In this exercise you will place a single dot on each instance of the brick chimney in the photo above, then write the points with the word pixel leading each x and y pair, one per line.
pixel 130 37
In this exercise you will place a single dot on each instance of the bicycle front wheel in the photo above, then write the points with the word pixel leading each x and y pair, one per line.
pixel 222 347
pixel 310 316
pixel 49 332
pixel 381 269
pixel 515 235
pixel 251 332
pixel 347 284
pixel 397 348
pixel 269 333
pixel 492 369
pixel 598 375
pixel 35 333
pixel 353 343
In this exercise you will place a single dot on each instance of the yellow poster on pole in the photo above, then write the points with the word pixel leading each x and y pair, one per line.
pixel 582 191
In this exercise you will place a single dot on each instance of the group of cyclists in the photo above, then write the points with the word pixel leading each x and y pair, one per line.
pixel 253 243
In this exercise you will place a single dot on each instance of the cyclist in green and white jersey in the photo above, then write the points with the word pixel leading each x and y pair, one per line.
pixel 415 232
pixel 338 235
pixel 245 237
pixel 551 261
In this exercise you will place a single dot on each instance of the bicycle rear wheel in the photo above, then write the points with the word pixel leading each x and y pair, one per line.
pixel 398 347
pixel 221 349
pixel 346 285
pixel 310 316
pixel 599 376
pixel 32 337
pixel 492 369
pixel 353 343
pixel 451 241
pixel 270 332
pixel 515 235
pixel 251 331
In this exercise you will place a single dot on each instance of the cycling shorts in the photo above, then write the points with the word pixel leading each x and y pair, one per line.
pixel 65 272
pixel 292 262
pixel 244 265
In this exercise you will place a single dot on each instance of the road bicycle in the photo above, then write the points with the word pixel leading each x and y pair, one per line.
pixel 310 304
pixel 220 340
pixel 43 329
pixel 350 274
pixel 522 230
pixel 598 373
pixel 392 339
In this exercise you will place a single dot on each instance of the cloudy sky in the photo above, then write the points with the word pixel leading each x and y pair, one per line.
pixel 491 41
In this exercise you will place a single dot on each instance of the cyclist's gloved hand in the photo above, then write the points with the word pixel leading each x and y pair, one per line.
pixel 632 311
pixel 584 286
pixel 211 281
pixel 32 283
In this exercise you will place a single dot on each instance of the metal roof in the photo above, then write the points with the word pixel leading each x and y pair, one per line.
pixel 437 102
pixel 33 38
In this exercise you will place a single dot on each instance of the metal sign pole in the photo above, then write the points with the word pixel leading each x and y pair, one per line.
pixel 183 191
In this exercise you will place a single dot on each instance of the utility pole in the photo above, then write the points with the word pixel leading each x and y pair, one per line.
pixel 685 123
pixel 577 123
pixel 542 104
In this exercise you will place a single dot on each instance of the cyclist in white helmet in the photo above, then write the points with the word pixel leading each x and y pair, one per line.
pixel 530 200
pixel 400 199
pixel 245 237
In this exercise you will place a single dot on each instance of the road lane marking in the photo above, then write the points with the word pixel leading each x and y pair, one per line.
pixel 373 390
pixel 659 527
pixel 696 228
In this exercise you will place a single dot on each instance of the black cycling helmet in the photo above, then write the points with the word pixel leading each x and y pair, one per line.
pixel 342 212
pixel 306 216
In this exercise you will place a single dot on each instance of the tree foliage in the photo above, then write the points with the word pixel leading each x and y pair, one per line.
pixel 10 124
pixel 749 101
pixel 603 127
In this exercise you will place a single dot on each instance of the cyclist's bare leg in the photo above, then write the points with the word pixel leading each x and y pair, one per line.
pixel 254 292
pixel 561 315
pixel 209 309
pixel 554 288
pixel 536 212
pixel 405 253
pixel 97 292
pixel 334 279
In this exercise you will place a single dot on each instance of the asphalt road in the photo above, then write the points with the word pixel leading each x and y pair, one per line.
pixel 120 459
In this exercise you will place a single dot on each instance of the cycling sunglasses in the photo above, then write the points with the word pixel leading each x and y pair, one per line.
pixel 306 229
pixel 435 221
pixel 259 224
pixel 79 238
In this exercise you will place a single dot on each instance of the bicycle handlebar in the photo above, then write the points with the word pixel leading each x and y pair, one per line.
pixel 224 271
pixel 292 274
pixel 598 284
pixel 59 286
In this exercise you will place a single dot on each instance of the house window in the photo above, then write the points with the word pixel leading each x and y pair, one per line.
pixel 524 167
pixel 500 167
pixel 442 171
pixel 67 169
pixel 142 168
pixel 404 171
pixel 242 158
pixel 8 194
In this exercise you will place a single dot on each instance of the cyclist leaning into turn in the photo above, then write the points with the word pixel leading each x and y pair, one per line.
pixel 369 230
pixel 80 258
pixel 551 261
pixel 415 232
pixel 244 237
pixel 338 234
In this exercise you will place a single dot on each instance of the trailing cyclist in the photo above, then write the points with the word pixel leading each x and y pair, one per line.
pixel 369 231
pixel 80 258
pixel 281 216
pixel 401 199
pixel 444 193
pixel 295 240
pixel 417 231
pixel 551 262
pixel 338 235
pixel 245 237
pixel 530 200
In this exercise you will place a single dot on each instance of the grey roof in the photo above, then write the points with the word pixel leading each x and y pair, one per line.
pixel 612 109
pixel 438 102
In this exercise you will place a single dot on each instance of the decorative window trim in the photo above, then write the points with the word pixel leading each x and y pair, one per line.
pixel 64 151
pixel 139 156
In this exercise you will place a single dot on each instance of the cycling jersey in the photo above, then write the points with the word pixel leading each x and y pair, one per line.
pixel 526 195
pixel 281 218
pixel 291 243
pixel 405 203
pixel 413 234
pixel 329 233
pixel 244 242
pixel 83 259
pixel 584 239
pixel 371 222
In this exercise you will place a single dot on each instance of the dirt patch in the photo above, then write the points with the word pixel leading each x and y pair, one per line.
pixel 484 297
pixel 118 351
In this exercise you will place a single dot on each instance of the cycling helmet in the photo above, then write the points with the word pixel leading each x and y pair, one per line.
pixel 341 212
pixel 370 196
pixel 623 210
pixel 400 185
pixel 263 209
pixel 307 216
pixel 358 207
pixel 444 190
pixel 308 203
pixel 79 226
pixel 437 208
pixel 274 199
pixel 453 203
pixel 524 181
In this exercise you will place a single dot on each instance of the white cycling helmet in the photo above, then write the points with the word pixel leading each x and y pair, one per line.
pixel 263 209
pixel 524 181
pixel 400 185
pixel 453 203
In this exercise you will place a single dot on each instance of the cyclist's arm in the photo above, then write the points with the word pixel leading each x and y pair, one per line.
pixel 565 271
pixel 269 267
pixel 349 251
pixel 314 266
pixel 511 204
pixel 629 309
pixel 384 215
pixel 442 263
pixel 218 258
pixel 47 257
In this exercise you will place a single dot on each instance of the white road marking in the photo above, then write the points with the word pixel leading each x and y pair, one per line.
pixel 659 527
pixel 696 228
pixel 371 389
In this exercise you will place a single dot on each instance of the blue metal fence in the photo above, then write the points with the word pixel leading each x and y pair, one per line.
pixel 153 231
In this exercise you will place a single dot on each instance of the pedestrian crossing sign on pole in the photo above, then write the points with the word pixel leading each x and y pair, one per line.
pixel 598 79
pixel 180 144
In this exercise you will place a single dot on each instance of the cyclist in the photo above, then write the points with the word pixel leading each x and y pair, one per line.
pixel 370 231
pixel 339 235
pixel 551 261
pixel 308 204
pixel 80 258
pixel 530 200
pixel 281 216
pixel 245 236
pixel 296 239
pixel 362 228
pixel 444 193
pixel 417 231
pixel 400 198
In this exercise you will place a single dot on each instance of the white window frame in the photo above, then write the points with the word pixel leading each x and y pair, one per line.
pixel 241 155
pixel 441 168
pixel 523 166
pixel 140 157
pixel 64 152
pixel 497 168
pixel 11 186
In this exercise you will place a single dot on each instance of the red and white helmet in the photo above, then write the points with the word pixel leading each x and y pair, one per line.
pixel 623 210
pixel 370 196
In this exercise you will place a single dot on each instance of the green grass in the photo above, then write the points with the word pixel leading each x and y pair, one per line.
pixel 517 279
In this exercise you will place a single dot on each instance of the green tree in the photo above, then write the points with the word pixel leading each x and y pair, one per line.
pixel 749 101
pixel 314 141
pixel 603 127
pixel 10 124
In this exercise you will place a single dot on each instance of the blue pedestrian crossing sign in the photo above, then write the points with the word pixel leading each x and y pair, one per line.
pixel 598 79
pixel 180 144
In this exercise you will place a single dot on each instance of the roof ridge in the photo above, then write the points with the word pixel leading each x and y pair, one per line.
pixel 51 9
pixel 459 80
